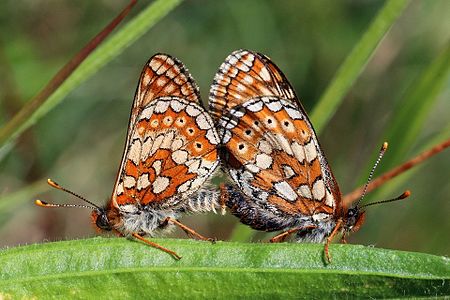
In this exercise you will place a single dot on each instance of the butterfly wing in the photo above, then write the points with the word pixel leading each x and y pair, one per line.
pixel 171 141
pixel 272 152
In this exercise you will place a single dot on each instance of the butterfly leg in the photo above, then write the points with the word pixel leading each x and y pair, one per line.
pixel 190 232
pixel 223 198
pixel 155 245
pixel 343 240
pixel 282 236
pixel 330 238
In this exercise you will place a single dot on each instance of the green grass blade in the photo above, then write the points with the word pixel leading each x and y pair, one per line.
pixel 10 202
pixel 412 112
pixel 355 62
pixel 409 121
pixel 111 48
pixel 118 268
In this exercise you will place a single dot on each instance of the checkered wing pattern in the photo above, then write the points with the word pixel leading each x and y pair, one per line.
pixel 271 150
pixel 171 142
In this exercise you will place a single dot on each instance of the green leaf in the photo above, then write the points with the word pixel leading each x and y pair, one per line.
pixel 118 268
pixel 108 50
pixel 355 62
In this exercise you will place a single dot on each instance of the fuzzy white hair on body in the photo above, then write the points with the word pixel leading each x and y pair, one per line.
pixel 149 221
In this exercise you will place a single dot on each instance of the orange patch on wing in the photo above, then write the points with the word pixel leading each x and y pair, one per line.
pixel 288 207
pixel 242 151
pixel 163 76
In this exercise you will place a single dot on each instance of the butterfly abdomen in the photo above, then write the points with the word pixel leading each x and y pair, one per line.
pixel 206 199
pixel 257 217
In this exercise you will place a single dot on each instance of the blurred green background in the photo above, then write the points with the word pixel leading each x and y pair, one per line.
pixel 79 144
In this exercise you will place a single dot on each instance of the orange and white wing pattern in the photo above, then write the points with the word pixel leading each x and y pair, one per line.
pixel 171 142
pixel 243 76
pixel 271 150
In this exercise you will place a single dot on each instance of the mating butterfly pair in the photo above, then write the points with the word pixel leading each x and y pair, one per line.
pixel 260 131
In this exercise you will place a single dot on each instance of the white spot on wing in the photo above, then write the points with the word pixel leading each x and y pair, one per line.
pixel 177 144
pixel 212 136
pixel 293 113
pixel 263 161
pixel 119 190
pixel 304 191
pixel 172 72
pixel 184 187
pixel 288 172
pixel 161 107
pixel 143 181
pixel 135 152
pixel 156 144
pixel 274 106
pixel 298 151
pixel 237 113
pixel 232 60
pixel 248 79
pixel 168 139
pixel 318 190
pixel 177 106
pixel 155 64
pixel 161 69
pixel 161 81
pixel 129 182
pixel 180 79
pixel 255 107
pixel 264 74
pixel 232 72
pixel 310 151
pixel 284 143
pixel 160 184
pixel 252 168
pixel 146 148
pixel 285 191
pixel 265 147
pixel 329 200
pixel 147 113
pixel 243 67
pixel 194 165
pixel 157 166
pixel 241 87
pixel 180 156
pixel 202 122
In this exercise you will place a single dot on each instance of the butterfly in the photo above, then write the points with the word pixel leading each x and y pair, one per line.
pixel 169 155
pixel 282 180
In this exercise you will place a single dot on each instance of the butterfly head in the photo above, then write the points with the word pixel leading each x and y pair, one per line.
pixel 354 218
pixel 100 219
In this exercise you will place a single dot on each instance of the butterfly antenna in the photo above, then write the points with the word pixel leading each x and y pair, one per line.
pixel 405 194
pixel 380 155
pixel 57 186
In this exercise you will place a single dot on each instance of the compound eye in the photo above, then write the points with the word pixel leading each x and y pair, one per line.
pixel 102 221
